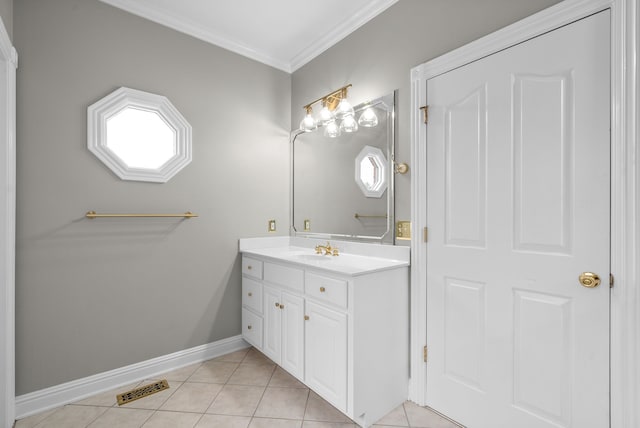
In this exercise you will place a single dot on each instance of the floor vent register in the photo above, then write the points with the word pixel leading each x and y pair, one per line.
pixel 141 392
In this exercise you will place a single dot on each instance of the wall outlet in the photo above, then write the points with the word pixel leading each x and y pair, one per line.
pixel 307 225
pixel 272 226
pixel 403 230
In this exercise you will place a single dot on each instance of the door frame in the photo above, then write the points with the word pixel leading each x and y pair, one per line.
pixel 8 65
pixel 625 185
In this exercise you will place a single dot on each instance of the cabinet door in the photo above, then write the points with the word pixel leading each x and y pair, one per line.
pixel 326 353
pixel 293 334
pixel 272 313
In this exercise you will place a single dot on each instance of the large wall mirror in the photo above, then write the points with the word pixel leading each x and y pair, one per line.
pixel 343 187
pixel 140 136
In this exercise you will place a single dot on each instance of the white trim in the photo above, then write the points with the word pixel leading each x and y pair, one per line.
pixel 100 112
pixel 339 32
pixel 289 65
pixel 9 63
pixel 55 396
pixel 625 200
pixel 418 303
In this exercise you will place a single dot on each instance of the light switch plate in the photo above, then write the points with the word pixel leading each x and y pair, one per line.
pixel 403 230
pixel 307 225
pixel 272 226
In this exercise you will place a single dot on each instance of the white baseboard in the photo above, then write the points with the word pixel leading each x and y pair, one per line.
pixel 69 392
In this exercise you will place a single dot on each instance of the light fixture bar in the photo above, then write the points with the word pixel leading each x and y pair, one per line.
pixel 331 100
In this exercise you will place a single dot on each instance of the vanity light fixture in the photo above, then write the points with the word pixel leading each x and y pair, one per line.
pixel 337 115
pixel 308 124
pixel 368 118
pixel 331 129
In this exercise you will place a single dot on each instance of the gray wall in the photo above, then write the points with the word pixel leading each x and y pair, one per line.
pixel 95 295
pixel 377 58
pixel 6 13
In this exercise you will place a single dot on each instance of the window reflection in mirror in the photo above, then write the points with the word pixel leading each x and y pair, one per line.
pixel 371 173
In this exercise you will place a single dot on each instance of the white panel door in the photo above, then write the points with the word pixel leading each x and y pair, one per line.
pixel 517 208
pixel 326 353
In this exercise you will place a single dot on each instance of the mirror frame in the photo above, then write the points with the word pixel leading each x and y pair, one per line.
pixel 389 237
pixel 101 111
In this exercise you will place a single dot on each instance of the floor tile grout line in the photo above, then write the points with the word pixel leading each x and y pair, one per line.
pixel 262 396
pixel 406 415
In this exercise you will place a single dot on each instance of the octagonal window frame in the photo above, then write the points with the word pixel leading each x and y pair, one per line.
pixel 121 99
pixel 381 161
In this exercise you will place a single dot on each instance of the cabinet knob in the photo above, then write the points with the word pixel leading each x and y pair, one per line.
pixel 281 306
pixel 322 289
pixel 249 267
pixel 277 305
pixel 250 294
pixel 249 327
pixel 306 317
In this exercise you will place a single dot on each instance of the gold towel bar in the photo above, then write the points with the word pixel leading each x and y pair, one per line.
pixel 356 215
pixel 93 214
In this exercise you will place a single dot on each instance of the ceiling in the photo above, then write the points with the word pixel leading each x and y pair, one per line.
pixel 285 34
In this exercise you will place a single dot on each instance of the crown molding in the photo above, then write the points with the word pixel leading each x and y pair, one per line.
pixel 289 65
pixel 198 31
pixel 339 32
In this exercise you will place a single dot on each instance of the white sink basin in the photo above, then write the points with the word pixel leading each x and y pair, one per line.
pixel 313 257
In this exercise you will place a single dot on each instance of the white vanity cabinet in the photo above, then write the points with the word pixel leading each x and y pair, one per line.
pixel 284 329
pixel 344 333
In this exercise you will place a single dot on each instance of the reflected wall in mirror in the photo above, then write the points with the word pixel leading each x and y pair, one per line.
pixel 140 136
pixel 343 187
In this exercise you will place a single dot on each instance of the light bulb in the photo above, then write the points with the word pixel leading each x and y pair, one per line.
pixel 332 130
pixel 308 124
pixel 325 116
pixel 349 124
pixel 368 118
pixel 344 109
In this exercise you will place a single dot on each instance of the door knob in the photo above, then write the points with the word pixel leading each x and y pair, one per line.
pixel 589 279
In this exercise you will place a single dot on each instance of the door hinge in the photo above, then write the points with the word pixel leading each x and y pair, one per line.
pixel 424 353
pixel 425 113
pixel 610 280
pixel 426 234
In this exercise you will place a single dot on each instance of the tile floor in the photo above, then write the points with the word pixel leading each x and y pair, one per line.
pixel 242 389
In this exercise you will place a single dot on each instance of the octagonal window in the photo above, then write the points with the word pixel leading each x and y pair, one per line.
pixel 138 135
pixel 141 139
pixel 371 172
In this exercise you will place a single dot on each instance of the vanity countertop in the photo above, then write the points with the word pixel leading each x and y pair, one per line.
pixel 363 259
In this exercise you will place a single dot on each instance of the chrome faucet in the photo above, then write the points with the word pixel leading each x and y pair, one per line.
pixel 327 250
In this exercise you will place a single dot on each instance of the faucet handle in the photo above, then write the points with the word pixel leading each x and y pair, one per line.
pixel 335 252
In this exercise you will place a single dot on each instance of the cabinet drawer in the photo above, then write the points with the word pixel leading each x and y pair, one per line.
pixel 285 276
pixel 252 328
pixel 327 289
pixel 252 294
pixel 252 267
